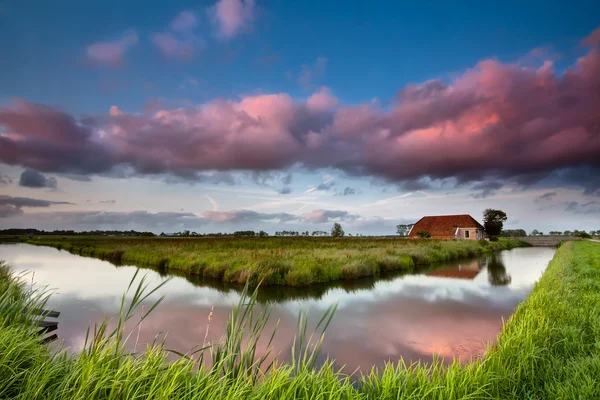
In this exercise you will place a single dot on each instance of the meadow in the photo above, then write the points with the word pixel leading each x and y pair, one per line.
pixel 275 261
pixel 548 349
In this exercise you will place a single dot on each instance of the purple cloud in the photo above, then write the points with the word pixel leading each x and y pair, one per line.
pixel 180 43
pixel 323 216
pixel 230 17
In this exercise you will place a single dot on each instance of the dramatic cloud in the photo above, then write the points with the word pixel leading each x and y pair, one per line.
pixel 591 207
pixel 323 216
pixel 285 190
pixel 487 189
pixel 495 122
pixel 111 53
pixel 180 42
pixel 231 17
pixel 546 196
pixel 33 179
pixel 241 216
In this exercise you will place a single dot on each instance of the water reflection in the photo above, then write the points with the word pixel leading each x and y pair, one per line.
pixel 452 310
pixel 497 274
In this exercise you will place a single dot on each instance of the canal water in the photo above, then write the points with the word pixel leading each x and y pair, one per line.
pixel 452 310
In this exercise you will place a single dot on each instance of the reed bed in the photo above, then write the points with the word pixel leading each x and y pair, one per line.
pixel 548 349
pixel 276 261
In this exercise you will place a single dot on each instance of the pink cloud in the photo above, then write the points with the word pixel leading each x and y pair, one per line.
pixel 180 43
pixel 322 100
pixel 323 216
pixel 495 120
pixel 112 53
pixel 230 17
pixel 593 39
pixel 184 22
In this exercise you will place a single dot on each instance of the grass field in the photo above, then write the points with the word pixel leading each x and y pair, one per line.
pixel 275 261
pixel 549 349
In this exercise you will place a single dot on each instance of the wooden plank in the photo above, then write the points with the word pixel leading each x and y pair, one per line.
pixel 46 324
pixel 50 338
pixel 47 329
pixel 46 313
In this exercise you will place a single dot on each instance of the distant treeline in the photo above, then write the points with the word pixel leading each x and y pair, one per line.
pixel 535 232
pixel 38 232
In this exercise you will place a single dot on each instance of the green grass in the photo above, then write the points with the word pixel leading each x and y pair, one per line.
pixel 275 261
pixel 548 349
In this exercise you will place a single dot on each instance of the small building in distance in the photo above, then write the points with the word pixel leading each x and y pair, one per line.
pixel 461 226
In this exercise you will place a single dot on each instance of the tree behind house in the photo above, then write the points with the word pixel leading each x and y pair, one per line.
pixel 493 221
pixel 403 230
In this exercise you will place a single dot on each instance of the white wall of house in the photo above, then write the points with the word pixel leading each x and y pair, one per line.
pixel 469 233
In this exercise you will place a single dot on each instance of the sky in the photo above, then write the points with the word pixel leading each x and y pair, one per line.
pixel 225 115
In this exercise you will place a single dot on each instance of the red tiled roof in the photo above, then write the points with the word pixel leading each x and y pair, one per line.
pixel 444 225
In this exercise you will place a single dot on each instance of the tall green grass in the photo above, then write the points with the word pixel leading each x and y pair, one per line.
pixel 549 349
pixel 276 261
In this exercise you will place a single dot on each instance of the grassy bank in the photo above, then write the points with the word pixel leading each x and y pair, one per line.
pixel 275 261
pixel 549 349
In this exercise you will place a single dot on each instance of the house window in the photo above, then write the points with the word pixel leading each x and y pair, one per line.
pixel 466 234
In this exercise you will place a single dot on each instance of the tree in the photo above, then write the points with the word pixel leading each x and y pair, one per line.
pixel 262 234
pixel 402 230
pixel 493 221
pixel 535 232
pixel 337 231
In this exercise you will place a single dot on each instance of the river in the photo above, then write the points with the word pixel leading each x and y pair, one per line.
pixel 452 310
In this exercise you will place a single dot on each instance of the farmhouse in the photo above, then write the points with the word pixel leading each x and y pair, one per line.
pixel 447 227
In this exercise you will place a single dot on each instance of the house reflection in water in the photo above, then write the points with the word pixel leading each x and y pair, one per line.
pixel 497 274
pixel 462 270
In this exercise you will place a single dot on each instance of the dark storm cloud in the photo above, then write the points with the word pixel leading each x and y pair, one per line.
pixel 33 179
pixel 494 122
